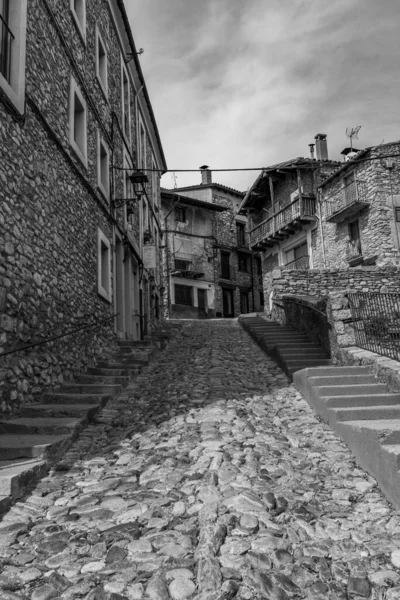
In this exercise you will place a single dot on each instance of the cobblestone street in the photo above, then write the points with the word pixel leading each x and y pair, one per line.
pixel 208 478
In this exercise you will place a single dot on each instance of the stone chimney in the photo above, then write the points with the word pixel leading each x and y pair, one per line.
pixel 206 176
pixel 321 146
pixel 311 146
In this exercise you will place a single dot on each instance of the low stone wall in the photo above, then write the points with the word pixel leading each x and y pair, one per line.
pixel 384 369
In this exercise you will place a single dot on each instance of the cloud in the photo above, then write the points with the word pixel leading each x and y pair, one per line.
pixel 242 84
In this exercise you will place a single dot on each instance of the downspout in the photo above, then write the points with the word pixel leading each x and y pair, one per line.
pixel 320 198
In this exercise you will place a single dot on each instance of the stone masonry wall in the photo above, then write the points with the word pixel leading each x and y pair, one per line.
pixel 51 208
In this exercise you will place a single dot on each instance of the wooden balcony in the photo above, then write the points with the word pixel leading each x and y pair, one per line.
pixel 284 223
pixel 348 202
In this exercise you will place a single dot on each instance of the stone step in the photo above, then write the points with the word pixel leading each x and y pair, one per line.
pixel 39 425
pixel 91 388
pixel 295 365
pixel 366 413
pixel 15 479
pixel 306 353
pixel 344 390
pixel 134 344
pixel 18 446
pixel 126 372
pixel 132 363
pixel 362 400
pixel 120 380
pixel 298 347
pixel 56 411
pixel 61 398
pixel 336 371
pixel 349 379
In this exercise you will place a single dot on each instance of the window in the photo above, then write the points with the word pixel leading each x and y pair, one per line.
pixel 297 257
pixel 103 167
pixel 154 182
pixel 259 266
pixel 78 10
pixel 183 294
pixel 103 266
pixel 126 111
pixel 182 265
pixel 77 120
pixel 354 249
pixel 240 234
pixel 397 214
pixel 243 262
pixel 101 63
pixel 12 51
pixel 180 214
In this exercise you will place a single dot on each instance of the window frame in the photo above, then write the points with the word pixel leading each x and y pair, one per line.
pixel 100 41
pixel 79 22
pixel 240 233
pixel 187 287
pixel 75 91
pixel 125 76
pixel 101 144
pixel 180 211
pixel 103 242
pixel 241 256
pixel 141 143
pixel 14 89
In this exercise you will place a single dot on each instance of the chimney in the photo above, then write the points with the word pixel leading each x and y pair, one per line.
pixel 206 176
pixel 321 146
pixel 311 146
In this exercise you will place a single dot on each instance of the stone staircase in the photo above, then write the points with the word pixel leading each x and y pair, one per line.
pixel 41 434
pixel 365 415
pixel 292 349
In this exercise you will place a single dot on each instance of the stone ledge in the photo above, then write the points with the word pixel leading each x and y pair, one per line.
pixel 384 369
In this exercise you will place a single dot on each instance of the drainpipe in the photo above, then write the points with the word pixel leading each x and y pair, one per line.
pixel 320 198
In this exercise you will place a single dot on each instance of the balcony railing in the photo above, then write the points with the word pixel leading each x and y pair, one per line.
pixel 227 272
pixel 284 222
pixel 347 201
pixel 299 264
pixel 354 252
pixel 6 40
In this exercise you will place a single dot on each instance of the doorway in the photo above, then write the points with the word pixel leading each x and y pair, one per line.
pixel 227 303
pixel 225 265
pixel 202 302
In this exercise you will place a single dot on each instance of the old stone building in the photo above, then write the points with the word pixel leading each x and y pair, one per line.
pixel 209 269
pixel 80 231
pixel 283 209
pixel 360 221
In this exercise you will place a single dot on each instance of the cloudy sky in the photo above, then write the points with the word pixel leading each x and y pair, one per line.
pixel 247 83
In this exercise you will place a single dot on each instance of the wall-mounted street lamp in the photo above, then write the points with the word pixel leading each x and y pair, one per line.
pixel 138 179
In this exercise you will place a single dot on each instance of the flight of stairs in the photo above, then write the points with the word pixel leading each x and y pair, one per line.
pixel 292 349
pixel 43 431
pixel 365 415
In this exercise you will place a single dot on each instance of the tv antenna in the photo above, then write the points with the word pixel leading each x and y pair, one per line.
pixel 352 132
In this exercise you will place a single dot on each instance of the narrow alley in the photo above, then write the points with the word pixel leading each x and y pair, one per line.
pixel 208 478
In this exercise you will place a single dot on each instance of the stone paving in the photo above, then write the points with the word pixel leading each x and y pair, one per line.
pixel 209 478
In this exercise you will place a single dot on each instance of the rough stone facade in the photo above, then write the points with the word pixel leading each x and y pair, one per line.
pixel 378 184
pixel 53 208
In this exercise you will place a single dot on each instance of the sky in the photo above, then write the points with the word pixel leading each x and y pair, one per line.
pixel 248 83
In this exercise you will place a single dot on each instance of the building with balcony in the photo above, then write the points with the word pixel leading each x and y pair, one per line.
pixel 360 224
pixel 79 228
pixel 283 209
pixel 209 269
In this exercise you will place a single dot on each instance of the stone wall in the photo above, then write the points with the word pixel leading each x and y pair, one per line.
pixel 378 230
pixel 51 207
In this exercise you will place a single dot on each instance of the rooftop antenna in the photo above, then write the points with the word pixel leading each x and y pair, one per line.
pixel 352 132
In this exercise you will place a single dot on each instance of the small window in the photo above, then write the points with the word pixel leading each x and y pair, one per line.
pixel 243 262
pixel 103 167
pixel 78 10
pixel 183 294
pixel 78 118
pixel 182 265
pixel 240 234
pixel 101 63
pixel 397 214
pixel 103 266
pixel 12 51
pixel 180 214
pixel 126 112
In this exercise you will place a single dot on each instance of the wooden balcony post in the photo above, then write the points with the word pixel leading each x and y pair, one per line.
pixel 300 194
pixel 271 191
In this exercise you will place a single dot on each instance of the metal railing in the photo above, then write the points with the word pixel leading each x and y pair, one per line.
pixel 6 40
pixel 354 191
pixel 376 321
pixel 304 207
pixel 353 250
pixel 299 264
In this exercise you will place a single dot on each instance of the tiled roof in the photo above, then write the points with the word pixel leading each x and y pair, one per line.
pixel 193 201
pixel 201 186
